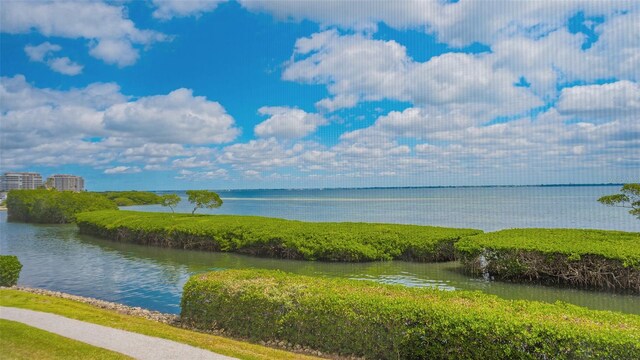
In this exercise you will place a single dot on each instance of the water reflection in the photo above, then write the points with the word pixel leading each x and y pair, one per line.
pixel 58 258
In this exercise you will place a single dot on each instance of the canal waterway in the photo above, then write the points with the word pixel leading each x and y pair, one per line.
pixel 56 257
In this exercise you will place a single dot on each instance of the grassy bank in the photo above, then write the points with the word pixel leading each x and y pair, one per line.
pixel 84 312
pixel 582 258
pixel 19 341
pixel 378 321
pixel 276 237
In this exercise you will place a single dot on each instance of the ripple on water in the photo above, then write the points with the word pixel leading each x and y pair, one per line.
pixel 58 258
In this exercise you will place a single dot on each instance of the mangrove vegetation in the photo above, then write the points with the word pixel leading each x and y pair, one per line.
pixel 53 206
pixel 362 318
pixel 582 258
pixel 628 198
pixel 131 198
pixel 276 237
pixel 59 207
pixel 10 268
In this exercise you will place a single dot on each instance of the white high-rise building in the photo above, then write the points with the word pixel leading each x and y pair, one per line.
pixel 20 180
pixel 66 182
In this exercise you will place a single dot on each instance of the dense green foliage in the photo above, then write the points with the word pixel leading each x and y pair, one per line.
pixel 130 198
pixel 116 319
pixel 377 321
pixel 276 237
pixel 574 243
pixel 629 197
pixel 170 200
pixel 52 206
pixel 10 268
pixel 583 258
pixel 203 199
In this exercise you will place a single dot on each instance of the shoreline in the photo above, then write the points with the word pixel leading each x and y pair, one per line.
pixel 173 320
pixel 166 318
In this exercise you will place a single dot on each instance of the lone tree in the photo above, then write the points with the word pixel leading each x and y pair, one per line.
pixel 629 198
pixel 170 200
pixel 203 199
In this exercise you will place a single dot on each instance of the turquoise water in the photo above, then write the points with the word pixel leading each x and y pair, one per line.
pixel 56 257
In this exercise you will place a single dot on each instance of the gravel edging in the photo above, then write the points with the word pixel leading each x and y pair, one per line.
pixel 170 319
pixel 174 320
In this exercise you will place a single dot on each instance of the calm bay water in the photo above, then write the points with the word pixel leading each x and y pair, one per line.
pixel 56 257
pixel 486 208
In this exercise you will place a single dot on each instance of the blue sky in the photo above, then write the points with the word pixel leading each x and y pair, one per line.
pixel 294 94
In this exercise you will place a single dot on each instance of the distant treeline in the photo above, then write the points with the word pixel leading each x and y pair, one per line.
pixel 60 207
pixel 130 198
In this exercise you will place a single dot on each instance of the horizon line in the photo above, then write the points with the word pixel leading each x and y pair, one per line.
pixel 401 187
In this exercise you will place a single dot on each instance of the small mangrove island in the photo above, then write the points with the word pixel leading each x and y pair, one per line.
pixel 576 257
pixel 279 238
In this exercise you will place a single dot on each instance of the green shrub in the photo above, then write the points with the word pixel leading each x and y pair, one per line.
pixel 122 201
pixel 361 318
pixel 130 198
pixel 9 270
pixel 585 258
pixel 276 237
pixel 52 206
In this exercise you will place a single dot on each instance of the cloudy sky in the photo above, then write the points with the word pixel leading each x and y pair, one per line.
pixel 279 94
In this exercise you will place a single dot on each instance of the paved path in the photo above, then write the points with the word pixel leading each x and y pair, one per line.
pixel 132 344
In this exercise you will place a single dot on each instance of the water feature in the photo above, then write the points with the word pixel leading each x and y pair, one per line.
pixel 486 208
pixel 56 257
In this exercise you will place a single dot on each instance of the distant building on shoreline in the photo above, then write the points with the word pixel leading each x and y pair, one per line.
pixel 20 180
pixel 63 182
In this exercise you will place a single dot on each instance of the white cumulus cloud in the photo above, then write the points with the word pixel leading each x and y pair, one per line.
pixel 606 101
pixel 358 68
pixel 110 33
pixel 456 23
pixel 98 126
pixel 167 9
pixel 287 123
pixel 39 52
pixel 65 66
pixel 178 117
pixel 122 170
pixel 42 53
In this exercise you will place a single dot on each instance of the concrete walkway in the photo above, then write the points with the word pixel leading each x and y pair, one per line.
pixel 132 344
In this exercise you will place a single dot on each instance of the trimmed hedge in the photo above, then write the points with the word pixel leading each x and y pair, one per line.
pixel 52 206
pixel 276 237
pixel 361 318
pixel 10 268
pixel 583 258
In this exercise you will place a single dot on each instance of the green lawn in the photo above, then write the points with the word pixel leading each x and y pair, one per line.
pixel 20 341
pixel 84 312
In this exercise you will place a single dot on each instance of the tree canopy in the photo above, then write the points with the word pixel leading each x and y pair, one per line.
pixel 203 199
pixel 629 198
pixel 170 200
